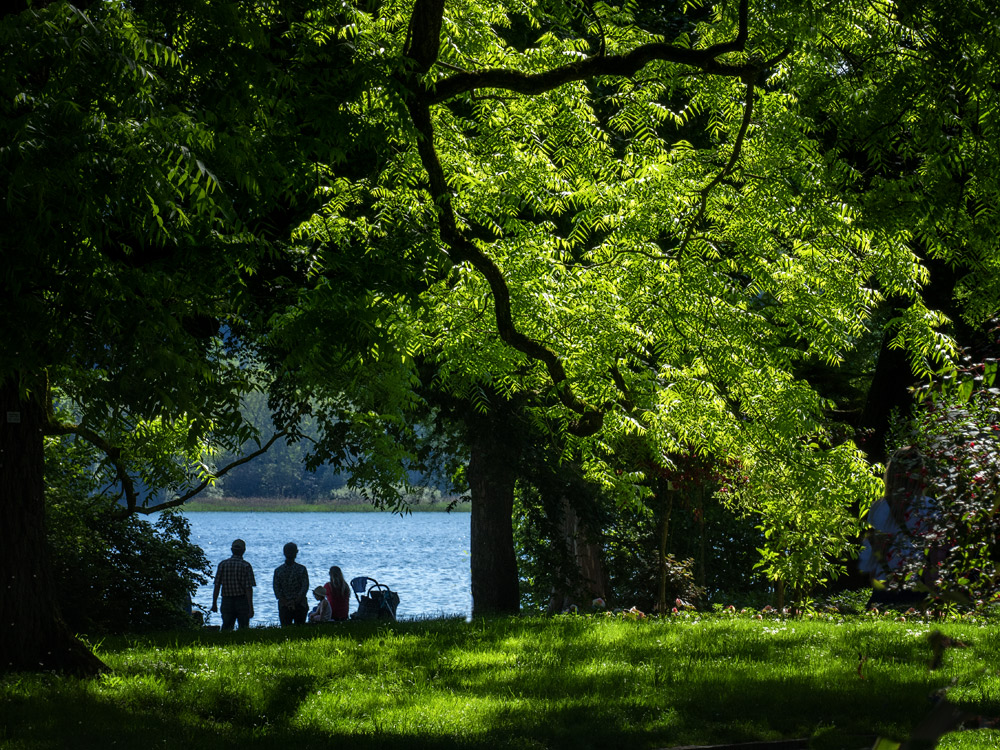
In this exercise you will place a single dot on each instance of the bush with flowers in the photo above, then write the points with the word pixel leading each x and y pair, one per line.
pixel 949 473
pixel 979 613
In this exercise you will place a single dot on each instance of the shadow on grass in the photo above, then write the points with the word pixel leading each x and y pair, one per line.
pixel 149 729
pixel 507 684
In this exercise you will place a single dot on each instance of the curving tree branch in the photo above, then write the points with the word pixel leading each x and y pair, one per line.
pixel 53 426
pixel 625 65
pixel 113 452
pixel 750 77
pixel 422 48
pixel 733 158
pixel 462 250
pixel 146 510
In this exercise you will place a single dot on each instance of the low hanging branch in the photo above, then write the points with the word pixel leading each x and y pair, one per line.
pixel 422 47
pixel 113 452
pixel 115 457
pixel 147 509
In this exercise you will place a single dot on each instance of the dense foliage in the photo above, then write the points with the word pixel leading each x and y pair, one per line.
pixel 682 542
pixel 948 474
pixel 115 573
pixel 636 223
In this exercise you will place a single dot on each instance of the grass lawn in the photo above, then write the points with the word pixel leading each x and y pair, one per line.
pixel 531 683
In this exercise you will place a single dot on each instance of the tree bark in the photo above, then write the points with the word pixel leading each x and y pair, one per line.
pixel 34 636
pixel 662 606
pixel 494 451
pixel 888 392
pixel 893 376
pixel 590 580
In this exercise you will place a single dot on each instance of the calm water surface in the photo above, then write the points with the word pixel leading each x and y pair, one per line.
pixel 423 557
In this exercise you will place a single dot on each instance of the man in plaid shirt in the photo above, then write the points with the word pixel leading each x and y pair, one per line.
pixel 291 582
pixel 234 579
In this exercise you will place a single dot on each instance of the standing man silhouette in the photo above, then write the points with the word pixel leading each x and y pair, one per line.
pixel 234 579
pixel 291 584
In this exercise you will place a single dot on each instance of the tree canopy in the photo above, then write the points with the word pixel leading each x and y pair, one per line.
pixel 670 230
pixel 642 226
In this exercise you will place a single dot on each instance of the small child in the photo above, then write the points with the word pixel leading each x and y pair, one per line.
pixel 321 612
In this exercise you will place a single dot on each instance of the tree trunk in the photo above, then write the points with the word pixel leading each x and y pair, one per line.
pixel 888 392
pixel 702 563
pixel 662 605
pixel 34 636
pixel 494 451
pixel 893 376
pixel 590 580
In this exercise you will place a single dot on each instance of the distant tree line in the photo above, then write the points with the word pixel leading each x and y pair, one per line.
pixel 281 473
pixel 285 469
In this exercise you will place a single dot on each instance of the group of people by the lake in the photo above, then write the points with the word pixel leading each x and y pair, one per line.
pixel 234 580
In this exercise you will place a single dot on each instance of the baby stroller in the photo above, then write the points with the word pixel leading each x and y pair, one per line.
pixel 376 601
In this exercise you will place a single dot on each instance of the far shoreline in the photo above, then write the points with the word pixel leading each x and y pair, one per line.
pixel 259 505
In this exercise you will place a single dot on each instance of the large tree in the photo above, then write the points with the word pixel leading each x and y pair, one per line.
pixel 628 220
pixel 155 164
pixel 662 222
pixel 659 222
pixel 628 215
pixel 111 281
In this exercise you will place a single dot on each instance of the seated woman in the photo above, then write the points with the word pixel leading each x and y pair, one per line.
pixel 321 612
pixel 338 594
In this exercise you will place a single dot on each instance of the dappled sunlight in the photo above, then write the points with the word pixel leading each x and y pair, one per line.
pixel 519 682
pixel 380 708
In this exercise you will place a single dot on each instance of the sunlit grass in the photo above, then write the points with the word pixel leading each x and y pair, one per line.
pixel 568 682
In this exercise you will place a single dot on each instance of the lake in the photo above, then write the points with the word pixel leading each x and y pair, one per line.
pixel 423 557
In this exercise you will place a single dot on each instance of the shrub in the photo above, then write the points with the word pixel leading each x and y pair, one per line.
pixel 949 474
pixel 115 574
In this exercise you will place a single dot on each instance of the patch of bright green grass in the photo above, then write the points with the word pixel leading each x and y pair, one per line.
pixel 567 682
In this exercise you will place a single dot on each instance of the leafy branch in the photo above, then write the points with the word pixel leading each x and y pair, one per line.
pixel 625 65
pixel 181 499
pixel 421 49
pixel 116 457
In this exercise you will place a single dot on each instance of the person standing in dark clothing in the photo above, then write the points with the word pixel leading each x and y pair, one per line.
pixel 291 584
pixel 234 579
